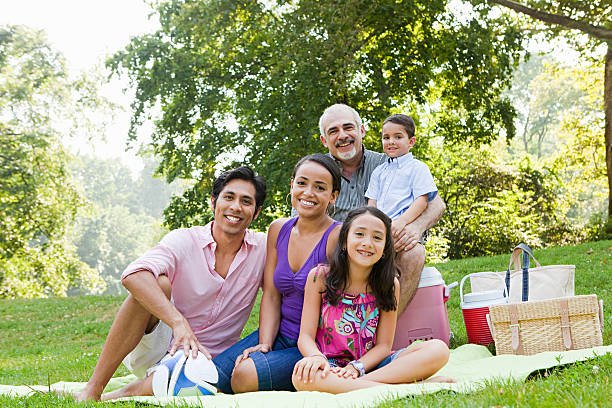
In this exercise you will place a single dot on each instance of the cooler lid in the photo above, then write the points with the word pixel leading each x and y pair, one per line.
pixel 488 297
pixel 430 276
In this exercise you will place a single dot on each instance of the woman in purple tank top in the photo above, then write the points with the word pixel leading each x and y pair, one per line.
pixel 264 360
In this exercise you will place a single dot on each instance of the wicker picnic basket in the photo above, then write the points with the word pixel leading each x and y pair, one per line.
pixel 559 324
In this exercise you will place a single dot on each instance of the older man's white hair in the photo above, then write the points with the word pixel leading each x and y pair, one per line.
pixel 338 106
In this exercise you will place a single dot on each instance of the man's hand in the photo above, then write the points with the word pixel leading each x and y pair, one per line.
pixel 407 238
pixel 184 338
pixel 263 347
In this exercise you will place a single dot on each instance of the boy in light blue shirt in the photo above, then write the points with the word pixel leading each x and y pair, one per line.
pixel 402 186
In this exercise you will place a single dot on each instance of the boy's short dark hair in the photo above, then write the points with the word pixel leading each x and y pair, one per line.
pixel 403 120
pixel 241 173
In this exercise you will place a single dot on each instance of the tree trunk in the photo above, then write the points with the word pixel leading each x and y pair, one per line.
pixel 608 129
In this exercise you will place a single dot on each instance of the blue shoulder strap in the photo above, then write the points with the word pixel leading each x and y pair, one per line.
pixel 525 261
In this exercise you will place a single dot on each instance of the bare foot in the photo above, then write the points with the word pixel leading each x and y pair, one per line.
pixel 89 393
pixel 440 379
pixel 84 396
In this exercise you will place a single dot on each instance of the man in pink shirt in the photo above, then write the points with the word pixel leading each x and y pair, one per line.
pixel 193 292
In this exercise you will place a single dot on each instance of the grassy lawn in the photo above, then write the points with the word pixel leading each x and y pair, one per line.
pixel 50 340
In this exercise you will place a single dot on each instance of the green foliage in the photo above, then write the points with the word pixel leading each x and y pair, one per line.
pixel 112 237
pixel 122 218
pixel 546 187
pixel 246 81
pixel 593 13
pixel 562 109
pixel 492 205
pixel 545 93
pixel 38 202
pixel 588 26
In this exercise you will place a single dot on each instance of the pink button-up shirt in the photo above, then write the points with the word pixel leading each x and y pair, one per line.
pixel 217 309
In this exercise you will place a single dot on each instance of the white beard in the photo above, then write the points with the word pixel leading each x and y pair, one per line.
pixel 348 155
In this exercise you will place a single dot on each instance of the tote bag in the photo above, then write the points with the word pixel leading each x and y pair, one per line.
pixel 524 283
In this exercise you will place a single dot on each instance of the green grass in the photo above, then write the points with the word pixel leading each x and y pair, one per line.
pixel 50 340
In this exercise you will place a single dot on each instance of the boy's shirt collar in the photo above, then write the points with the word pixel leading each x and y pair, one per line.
pixel 406 158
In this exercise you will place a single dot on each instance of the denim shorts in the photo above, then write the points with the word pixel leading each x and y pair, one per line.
pixel 274 368
pixel 389 358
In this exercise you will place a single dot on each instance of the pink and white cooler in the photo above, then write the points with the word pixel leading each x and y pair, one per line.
pixel 425 317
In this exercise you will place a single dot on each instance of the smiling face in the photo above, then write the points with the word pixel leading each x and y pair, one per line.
pixel 342 134
pixel 312 189
pixel 395 140
pixel 365 241
pixel 234 208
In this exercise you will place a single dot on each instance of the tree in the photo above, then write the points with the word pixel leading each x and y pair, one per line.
pixel 545 92
pixel 593 18
pixel 38 202
pixel 123 216
pixel 112 237
pixel 246 81
pixel 560 121
pixel 493 204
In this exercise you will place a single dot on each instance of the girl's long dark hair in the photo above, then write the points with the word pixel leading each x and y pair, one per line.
pixel 381 279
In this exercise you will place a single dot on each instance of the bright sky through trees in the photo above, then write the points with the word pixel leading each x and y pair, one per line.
pixel 86 32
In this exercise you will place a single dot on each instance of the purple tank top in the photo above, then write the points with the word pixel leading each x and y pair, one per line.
pixel 291 285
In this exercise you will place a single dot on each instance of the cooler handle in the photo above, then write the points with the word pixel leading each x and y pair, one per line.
pixel 478 273
pixel 448 288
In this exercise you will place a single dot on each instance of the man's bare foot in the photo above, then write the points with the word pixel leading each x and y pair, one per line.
pixel 87 394
pixel 440 379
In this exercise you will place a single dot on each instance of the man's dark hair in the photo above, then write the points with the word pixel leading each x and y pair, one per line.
pixel 241 173
pixel 403 120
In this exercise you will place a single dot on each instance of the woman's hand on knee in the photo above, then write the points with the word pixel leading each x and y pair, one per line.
pixel 263 347
pixel 306 369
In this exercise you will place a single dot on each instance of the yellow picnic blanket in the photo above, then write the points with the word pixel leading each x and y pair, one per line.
pixel 472 366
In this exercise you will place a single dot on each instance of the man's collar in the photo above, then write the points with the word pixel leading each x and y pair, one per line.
pixel 206 237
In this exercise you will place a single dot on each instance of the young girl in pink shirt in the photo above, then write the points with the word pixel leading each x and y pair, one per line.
pixel 350 312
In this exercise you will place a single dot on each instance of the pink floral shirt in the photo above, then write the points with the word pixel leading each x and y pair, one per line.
pixel 348 330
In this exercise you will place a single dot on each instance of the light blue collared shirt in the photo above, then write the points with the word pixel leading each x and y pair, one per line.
pixel 397 182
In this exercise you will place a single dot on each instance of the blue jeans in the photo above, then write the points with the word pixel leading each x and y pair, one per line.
pixel 274 368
